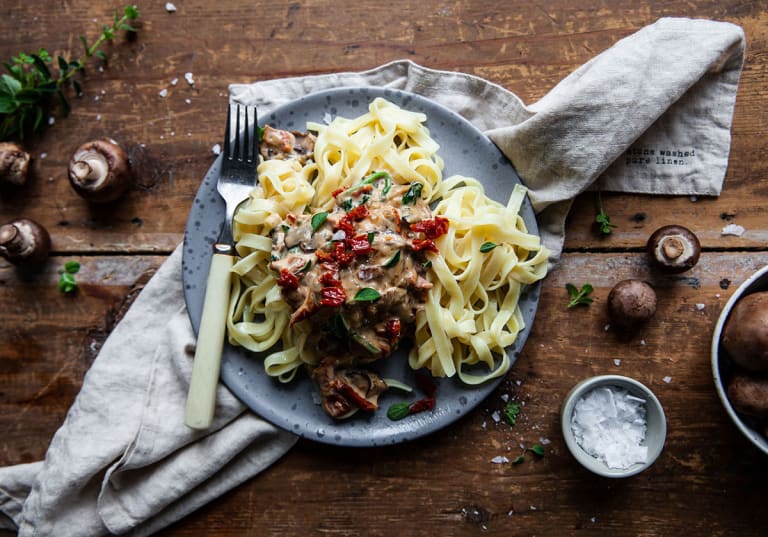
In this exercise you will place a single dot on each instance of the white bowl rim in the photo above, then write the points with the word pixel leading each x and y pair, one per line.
pixel 757 439
pixel 585 459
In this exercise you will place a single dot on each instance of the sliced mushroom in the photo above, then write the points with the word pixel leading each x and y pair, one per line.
pixel 281 144
pixel 99 171
pixel 345 390
pixel 673 249
pixel 14 163
pixel 24 242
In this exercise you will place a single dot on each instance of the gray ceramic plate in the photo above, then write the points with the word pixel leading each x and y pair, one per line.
pixel 293 406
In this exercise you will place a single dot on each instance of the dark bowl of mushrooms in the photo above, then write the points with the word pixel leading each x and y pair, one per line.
pixel 740 358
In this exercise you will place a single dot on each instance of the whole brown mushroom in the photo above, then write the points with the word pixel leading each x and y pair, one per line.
pixel 631 302
pixel 99 171
pixel 745 335
pixel 673 249
pixel 24 242
pixel 14 163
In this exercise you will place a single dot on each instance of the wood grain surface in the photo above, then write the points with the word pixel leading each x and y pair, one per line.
pixel 708 480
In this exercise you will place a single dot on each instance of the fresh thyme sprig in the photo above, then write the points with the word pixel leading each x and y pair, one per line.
pixel 26 88
pixel 602 219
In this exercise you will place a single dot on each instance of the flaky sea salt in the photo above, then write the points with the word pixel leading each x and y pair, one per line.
pixel 499 459
pixel 733 229
pixel 609 424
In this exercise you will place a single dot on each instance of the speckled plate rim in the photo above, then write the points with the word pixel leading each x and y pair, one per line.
pixel 757 282
pixel 466 151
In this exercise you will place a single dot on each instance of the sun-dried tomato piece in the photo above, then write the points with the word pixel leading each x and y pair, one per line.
pixel 332 296
pixel 287 280
pixel 360 245
pixel 432 228
pixel 427 245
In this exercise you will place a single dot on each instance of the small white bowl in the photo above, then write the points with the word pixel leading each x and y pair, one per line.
pixel 722 366
pixel 656 424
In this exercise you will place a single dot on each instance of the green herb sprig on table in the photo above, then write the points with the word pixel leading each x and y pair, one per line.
pixel 602 219
pixel 67 283
pixel 29 84
pixel 579 296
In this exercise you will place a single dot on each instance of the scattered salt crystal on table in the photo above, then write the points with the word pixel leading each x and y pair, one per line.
pixel 667 379
pixel 616 361
pixel 700 306
pixel 499 459
pixel 609 424
pixel 216 149
pixel 163 92
pixel 174 81
pixel 189 77
pixel 733 229
pixel 170 8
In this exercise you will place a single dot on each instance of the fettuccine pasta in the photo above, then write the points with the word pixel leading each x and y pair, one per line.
pixel 477 273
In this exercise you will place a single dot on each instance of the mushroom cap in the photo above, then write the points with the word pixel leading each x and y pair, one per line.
pixel 631 302
pixel 673 249
pixel 99 171
pixel 745 335
pixel 14 163
pixel 24 242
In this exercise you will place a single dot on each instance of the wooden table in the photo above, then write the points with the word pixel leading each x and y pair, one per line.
pixel 707 481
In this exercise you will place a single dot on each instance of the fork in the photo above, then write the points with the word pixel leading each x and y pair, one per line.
pixel 236 180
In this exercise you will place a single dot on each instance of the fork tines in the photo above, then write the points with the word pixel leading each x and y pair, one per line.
pixel 245 147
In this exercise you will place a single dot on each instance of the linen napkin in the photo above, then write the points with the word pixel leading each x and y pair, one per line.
pixel 650 115
pixel 124 463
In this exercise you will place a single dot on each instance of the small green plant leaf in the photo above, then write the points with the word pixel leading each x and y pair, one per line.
pixel 72 267
pixel 487 246
pixel 318 219
pixel 511 412
pixel 367 294
pixel 398 411
pixel 579 296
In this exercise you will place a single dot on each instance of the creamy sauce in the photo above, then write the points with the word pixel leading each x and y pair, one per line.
pixel 357 273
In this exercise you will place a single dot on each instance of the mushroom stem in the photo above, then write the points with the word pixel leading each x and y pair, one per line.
pixel 99 171
pixel 672 247
pixel 91 168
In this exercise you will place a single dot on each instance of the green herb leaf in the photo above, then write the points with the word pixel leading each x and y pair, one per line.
pixel 367 294
pixel 30 78
pixel 9 85
pixel 318 219
pixel 511 411
pixel 67 283
pixel 306 266
pixel 579 296
pixel 487 246
pixel 371 236
pixel 340 325
pixel 537 450
pixel 398 411
pixel 519 460
pixel 393 260
pixel 602 220
pixel 131 12
pixel 413 194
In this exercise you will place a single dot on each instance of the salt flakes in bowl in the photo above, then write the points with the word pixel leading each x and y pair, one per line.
pixel 613 425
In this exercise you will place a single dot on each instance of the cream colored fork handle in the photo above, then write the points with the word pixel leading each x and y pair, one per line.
pixel 201 399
